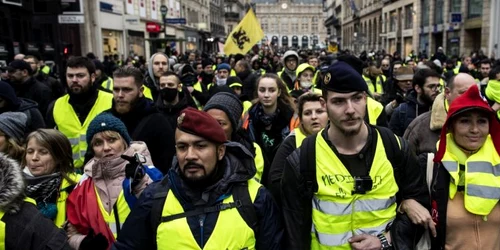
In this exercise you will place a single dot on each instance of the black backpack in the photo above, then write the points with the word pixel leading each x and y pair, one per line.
pixel 241 197
pixel 393 150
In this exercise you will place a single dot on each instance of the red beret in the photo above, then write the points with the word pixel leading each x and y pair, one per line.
pixel 201 124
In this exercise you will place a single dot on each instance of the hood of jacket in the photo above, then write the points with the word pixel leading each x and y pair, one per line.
pixel 240 167
pixel 27 104
pixel 112 168
pixel 290 73
pixel 7 92
pixel 439 112
pixel 150 69
pixel 11 185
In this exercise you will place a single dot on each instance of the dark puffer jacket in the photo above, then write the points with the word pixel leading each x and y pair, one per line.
pixel 138 233
pixel 25 226
pixel 405 113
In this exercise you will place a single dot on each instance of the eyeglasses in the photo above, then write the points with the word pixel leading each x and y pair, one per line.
pixel 435 86
pixel 385 65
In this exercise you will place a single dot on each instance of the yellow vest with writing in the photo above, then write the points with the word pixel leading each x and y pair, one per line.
pixel 68 123
pixel 338 214
pixel 374 110
pixel 379 82
pixel 230 232
pixel 482 177
pixel 61 200
pixel 109 218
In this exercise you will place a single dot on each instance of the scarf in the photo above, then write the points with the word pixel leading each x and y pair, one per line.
pixel 264 118
pixel 45 190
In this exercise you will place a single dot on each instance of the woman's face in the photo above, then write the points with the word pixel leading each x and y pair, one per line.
pixel 314 117
pixel 106 146
pixel 268 92
pixel 223 120
pixel 470 130
pixel 39 160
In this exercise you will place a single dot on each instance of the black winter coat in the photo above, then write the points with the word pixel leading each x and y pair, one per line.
pixel 405 113
pixel 145 123
pixel 36 91
pixel 297 212
pixel 35 118
pixel 138 232
pixel 171 112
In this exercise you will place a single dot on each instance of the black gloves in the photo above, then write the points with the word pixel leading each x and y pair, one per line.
pixel 134 169
pixel 400 98
pixel 94 242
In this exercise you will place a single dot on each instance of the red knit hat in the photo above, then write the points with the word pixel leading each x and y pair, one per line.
pixel 199 123
pixel 470 100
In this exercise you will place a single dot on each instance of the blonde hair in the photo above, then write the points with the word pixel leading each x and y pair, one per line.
pixel 14 149
pixel 110 135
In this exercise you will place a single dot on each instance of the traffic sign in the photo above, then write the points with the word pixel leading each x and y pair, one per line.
pixel 176 20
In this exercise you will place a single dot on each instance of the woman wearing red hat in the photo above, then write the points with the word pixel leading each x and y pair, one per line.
pixel 465 186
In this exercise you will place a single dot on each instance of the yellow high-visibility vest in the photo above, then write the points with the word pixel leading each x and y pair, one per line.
pixel 374 110
pixel 337 213
pixel 378 84
pixel 61 200
pixel 68 123
pixel 109 218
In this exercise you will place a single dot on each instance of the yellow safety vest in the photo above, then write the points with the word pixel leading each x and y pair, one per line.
pixel 45 70
pixel 232 73
pixel 299 136
pixel 246 106
pixel 482 178
pixel 315 78
pixel 63 196
pixel 147 92
pixel 259 162
pixel 337 214
pixel 109 218
pixel 108 84
pixel 379 82
pixel 2 230
pixel 230 231
pixel 68 123
pixel 374 110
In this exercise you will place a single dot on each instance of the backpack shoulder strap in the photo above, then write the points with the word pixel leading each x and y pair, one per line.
pixel 246 210
pixel 394 148
pixel 308 164
pixel 159 198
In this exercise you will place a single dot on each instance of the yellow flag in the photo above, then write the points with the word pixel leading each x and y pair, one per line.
pixel 244 36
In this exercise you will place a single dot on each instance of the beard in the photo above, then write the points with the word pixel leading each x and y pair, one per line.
pixel 347 131
pixel 126 106
pixel 426 99
pixel 77 89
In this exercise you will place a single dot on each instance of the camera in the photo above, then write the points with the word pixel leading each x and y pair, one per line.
pixel 362 184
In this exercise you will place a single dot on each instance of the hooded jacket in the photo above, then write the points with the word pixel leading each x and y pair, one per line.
pixel 171 112
pixel 404 114
pixel 36 91
pixel 150 79
pixel 27 106
pixel 145 123
pixel 25 226
pixel 287 75
pixel 137 232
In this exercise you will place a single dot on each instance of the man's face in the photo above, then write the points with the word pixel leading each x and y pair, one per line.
pixel 485 69
pixel 208 69
pixel 18 75
pixel 98 73
pixel 79 80
pixel 222 73
pixel 169 82
pixel 192 57
pixel 199 68
pixel 396 67
pixel 197 157
pixel 461 84
pixel 160 65
pixel 430 90
pixel 238 67
pixel 125 94
pixel 385 65
pixel 32 63
pixel 346 111
pixel 411 64
pixel 313 62
pixel 467 60
pixel 291 63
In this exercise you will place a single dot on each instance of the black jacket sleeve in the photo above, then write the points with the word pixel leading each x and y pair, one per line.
pixel 29 229
pixel 276 172
pixel 137 231
pixel 270 224
pixel 395 124
pixel 49 117
pixel 37 120
pixel 297 214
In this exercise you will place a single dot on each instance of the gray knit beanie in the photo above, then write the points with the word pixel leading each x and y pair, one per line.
pixel 13 124
pixel 230 104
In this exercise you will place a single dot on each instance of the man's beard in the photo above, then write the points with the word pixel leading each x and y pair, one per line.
pixel 426 99
pixel 77 89
pixel 126 107
pixel 347 132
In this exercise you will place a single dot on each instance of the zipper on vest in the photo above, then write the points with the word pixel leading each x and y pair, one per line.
pixel 202 221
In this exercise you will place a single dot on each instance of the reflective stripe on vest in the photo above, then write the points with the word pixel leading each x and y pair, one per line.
pixel 109 218
pixel 378 85
pixel 2 230
pixel 337 214
pixel 482 177
pixel 68 123
pixel 374 110
pixel 108 84
pixel 230 231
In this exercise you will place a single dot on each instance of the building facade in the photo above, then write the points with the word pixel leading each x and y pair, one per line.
pixel 217 26
pixel 234 11
pixel 333 22
pixel 292 23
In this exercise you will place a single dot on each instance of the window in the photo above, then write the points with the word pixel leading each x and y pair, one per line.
pixel 392 21
pixel 455 5
pixel 425 13
pixel 229 28
pixel 305 24
pixel 284 25
pixel 409 17
pixel 475 8
pixel 438 13
pixel 274 25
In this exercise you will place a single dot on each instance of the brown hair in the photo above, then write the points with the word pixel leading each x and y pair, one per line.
pixel 130 71
pixel 307 97
pixel 284 99
pixel 14 149
pixel 59 148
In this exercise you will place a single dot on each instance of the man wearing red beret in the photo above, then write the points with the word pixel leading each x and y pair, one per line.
pixel 208 200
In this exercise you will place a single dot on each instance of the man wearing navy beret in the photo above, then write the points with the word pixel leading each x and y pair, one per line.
pixel 342 188
pixel 208 200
